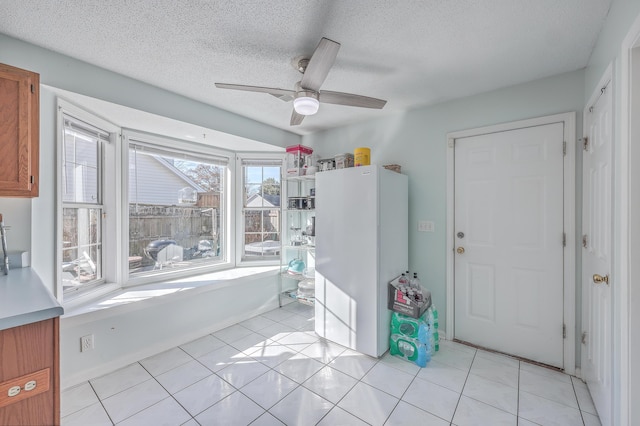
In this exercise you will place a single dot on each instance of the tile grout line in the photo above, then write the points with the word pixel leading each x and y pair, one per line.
pixel 343 396
pixel 573 386
pixel 101 403
pixel 475 353
pixel 167 390
pixel 404 393
pixel 518 398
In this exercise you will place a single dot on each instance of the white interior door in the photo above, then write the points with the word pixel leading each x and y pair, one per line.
pixel 508 226
pixel 597 257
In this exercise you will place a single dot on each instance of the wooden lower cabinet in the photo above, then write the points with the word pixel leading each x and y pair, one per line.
pixel 29 359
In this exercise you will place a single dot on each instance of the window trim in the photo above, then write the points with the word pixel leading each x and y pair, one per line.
pixel 141 138
pixel 239 206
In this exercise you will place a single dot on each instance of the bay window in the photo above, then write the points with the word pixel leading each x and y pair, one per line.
pixel 135 207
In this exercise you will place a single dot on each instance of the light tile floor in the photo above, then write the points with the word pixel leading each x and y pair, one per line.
pixel 272 370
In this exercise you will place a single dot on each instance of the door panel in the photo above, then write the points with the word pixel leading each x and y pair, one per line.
pixel 482 292
pixel 509 206
pixel 597 259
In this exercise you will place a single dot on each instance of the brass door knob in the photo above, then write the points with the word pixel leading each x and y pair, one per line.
pixel 460 250
pixel 599 279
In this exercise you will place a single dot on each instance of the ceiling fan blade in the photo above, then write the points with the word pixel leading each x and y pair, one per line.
pixel 319 65
pixel 270 90
pixel 296 118
pixel 349 99
pixel 286 98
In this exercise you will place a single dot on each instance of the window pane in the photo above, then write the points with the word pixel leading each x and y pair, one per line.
pixel 261 201
pixel 262 232
pixel 82 246
pixel 80 168
pixel 261 187
pixel 175 212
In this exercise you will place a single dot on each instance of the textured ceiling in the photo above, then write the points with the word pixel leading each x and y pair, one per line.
pixel 411 53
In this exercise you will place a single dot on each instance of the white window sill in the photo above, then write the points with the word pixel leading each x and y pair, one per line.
pixel 132 298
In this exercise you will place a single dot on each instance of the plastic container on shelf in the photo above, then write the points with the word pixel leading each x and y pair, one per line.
pixel 344 161
pixel 362 156
pixel 307 288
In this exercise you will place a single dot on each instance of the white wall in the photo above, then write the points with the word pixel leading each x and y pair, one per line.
pixel 128 333
pixel 417 141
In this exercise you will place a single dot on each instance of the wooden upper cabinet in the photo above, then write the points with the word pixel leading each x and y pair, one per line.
pixel 19 132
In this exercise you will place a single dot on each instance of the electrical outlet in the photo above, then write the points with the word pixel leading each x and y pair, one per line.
pixel 86 343
pixel 426 226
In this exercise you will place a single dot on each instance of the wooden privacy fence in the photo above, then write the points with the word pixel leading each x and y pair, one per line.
pixel 187 225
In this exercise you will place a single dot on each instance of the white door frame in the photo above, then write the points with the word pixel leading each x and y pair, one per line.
pixel 626 237
pixel 569 221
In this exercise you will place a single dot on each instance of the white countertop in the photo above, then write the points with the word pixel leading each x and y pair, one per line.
pixel 24 299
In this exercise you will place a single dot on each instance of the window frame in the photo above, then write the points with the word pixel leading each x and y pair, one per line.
pixel 108 173
pixel 129 136
pixel 239 238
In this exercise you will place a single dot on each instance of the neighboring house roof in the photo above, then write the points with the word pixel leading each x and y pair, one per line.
pixel 268 200
pixel 157 182
pixel 179 173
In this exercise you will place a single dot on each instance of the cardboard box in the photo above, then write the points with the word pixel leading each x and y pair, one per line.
pixel 344 161
pixel 398 302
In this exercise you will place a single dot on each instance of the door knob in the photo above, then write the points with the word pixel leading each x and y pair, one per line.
pixel 599 279
pixel 460 250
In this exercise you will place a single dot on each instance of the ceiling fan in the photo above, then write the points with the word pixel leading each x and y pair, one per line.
pixel 306 94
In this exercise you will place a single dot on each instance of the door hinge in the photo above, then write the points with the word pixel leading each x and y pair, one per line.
pixel 585 143
pixel 584 241
pixel 564 148
pixel 564 331
pixel 584 338
pixel 564 239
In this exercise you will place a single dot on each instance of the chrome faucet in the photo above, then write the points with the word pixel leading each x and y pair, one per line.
pixel 3 237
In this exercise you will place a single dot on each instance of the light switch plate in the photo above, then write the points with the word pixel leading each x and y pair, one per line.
pixel 426 226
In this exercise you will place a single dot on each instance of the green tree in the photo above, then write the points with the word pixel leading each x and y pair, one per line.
pixel 205 175
pixel 270 186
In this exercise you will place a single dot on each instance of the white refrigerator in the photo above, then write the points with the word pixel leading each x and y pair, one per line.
pixel 361 245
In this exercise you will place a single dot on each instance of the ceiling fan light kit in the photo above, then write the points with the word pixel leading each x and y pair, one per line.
pixel 307 95
pixel 306 103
